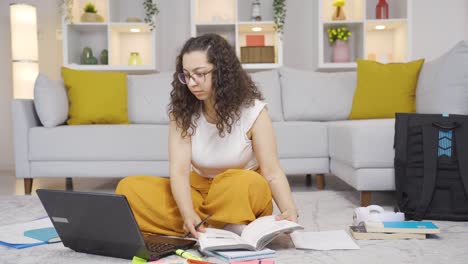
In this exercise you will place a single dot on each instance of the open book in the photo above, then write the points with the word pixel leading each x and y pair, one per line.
pixel 255 235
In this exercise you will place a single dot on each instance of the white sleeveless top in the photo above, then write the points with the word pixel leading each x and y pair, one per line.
pixel 212 154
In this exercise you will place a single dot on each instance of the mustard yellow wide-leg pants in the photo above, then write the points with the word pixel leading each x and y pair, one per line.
pixel 235 196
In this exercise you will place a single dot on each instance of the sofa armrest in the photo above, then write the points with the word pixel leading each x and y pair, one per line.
pixel 24 117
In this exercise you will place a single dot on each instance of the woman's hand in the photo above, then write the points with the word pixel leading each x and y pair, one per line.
pixel 190 222
pixel 288 214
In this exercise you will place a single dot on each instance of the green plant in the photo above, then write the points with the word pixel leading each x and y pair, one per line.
pixel 90 8
pixel 279 14
pixel 341 33
pixel 65 8
pixel 151 10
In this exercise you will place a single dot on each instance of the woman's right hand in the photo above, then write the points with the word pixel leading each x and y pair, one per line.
pixel 190 222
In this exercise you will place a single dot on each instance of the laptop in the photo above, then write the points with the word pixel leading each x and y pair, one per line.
pixel 103 224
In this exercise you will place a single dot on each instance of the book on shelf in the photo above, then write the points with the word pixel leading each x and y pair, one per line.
pixel 236 256
pixel 416 227
pixel 255 235
pixel 359 232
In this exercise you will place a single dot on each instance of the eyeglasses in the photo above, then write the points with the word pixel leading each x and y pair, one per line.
pixel 198 77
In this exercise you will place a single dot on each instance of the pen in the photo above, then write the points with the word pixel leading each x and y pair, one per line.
pixel 198 225
pixel 187 255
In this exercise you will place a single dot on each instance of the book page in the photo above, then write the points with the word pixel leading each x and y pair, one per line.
pixel 214 239
pixel 264 229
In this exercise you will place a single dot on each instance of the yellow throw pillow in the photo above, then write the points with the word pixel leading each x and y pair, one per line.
pixel 96 97
pixel 384 89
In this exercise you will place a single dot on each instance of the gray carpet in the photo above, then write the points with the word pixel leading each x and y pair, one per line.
pixel 319 211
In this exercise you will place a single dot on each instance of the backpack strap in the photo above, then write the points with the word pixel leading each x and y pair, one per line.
pixel 399 162
pixel 430 143
pixel 461 145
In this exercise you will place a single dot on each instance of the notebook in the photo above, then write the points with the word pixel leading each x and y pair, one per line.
pixel 103 224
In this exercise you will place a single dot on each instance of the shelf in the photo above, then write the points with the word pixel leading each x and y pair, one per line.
pixel 244 12
pixel 391 44
pixel 397 9
pixel 208 17
pixel 78 9
pixel 125 68
pixel 115 34
pixel 215 11
pixel 353 9
pixel 123 42
pixel 228 31
pixel 81 36
pixel 121 10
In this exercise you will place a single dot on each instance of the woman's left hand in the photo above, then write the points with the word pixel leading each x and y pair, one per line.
pixel 289 214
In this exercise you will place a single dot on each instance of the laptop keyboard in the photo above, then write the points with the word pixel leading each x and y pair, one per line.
pixel 159 247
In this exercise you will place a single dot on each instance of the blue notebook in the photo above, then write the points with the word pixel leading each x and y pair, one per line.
pixel 417 227
pixel 238 255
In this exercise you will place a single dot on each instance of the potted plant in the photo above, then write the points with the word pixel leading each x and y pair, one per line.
pixel 338 38
pixel 90 14
pixel 151 10
pixel 279 14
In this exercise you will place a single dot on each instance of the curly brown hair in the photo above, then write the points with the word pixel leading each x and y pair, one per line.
pixel 232 86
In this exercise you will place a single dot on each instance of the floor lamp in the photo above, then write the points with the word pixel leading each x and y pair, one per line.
pixel 24 49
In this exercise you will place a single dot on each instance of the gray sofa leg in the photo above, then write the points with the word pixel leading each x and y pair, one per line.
pixel 69 184
pixel 28 182
pixel 308 179
pixel 320 181
pixel 365 198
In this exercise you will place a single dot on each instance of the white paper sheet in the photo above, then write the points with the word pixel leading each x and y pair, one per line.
pixel 14 234
pixel 325 240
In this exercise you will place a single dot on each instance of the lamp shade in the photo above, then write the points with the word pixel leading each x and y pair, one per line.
pixel 24 49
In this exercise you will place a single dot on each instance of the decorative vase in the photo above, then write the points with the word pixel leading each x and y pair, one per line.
pixel 104 57
pixel 340 51
pixel 134 59
pixel 87 56
pixel 381 10
pixel 91 17
pixel 339 14
pixel 256 14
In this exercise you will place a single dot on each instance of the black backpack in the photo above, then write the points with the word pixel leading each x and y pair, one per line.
pixel 431 166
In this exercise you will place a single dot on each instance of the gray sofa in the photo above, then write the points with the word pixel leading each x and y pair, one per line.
pixel 305 108
pixel 309 111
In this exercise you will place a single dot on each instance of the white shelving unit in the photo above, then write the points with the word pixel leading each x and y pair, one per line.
pixel 391 44
pixel 232 20
pixel 114 34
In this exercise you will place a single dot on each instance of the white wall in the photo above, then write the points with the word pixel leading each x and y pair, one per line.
pixel 438 25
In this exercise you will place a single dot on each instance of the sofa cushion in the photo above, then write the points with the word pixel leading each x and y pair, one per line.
pixel 99 143
pixel 96 97
pixel 149 97
pixel 268 83
pixel 443 83
pixel 50 101
pixel 362 143
pixel 301 139
pixel 385 89
pixel 314 96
